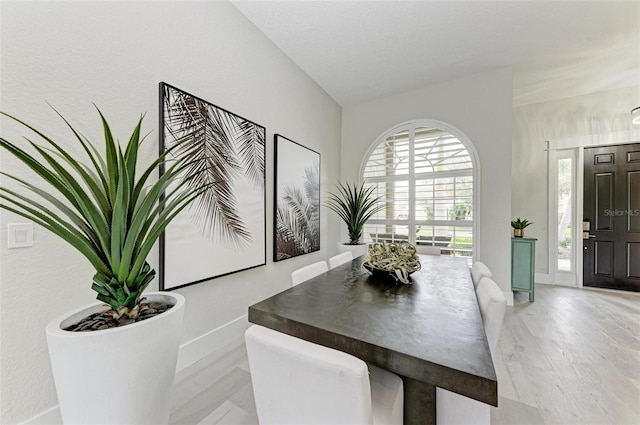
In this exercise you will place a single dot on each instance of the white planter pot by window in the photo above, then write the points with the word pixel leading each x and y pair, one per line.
pixel 356 250
pixel 118 375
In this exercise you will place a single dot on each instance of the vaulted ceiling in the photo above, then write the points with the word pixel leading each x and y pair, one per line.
pixel 361 50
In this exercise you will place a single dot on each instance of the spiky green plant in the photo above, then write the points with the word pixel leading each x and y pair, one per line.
pixel 520 224
pixel 102 209
pixel 354 205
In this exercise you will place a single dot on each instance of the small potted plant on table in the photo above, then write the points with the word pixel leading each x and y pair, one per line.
pixel 519 226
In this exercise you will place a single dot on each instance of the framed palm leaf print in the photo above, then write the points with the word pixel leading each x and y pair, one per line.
pixel 223 230
pixel 297 200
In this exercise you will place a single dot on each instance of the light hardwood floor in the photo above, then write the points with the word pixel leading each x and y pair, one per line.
pixel 571 357
pixel 215 390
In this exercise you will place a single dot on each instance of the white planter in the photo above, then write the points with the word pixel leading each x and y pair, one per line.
pixel 356 250
pixel 120 375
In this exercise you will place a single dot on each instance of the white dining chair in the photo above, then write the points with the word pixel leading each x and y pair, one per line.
pixel 478 271
pixel 307 272
pixel 492 307
pixel 455 409
pixel 340 259
pixel 428 250
pixel 298 382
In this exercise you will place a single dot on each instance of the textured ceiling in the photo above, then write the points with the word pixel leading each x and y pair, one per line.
pixel 361 50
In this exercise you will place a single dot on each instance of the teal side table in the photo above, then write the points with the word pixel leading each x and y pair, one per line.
pixel 523 265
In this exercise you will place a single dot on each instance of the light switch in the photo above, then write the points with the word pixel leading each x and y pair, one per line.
pixel 20 235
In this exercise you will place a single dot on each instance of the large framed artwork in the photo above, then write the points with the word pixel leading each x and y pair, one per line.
pixel 222 231
pixel 297 200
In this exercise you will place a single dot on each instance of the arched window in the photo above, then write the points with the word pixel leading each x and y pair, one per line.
pixel 425 177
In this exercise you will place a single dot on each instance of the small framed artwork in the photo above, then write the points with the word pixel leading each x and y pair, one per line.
pixel 222 231
pixel 297 200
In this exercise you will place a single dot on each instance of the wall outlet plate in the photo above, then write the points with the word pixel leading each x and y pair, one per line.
pixel 19 235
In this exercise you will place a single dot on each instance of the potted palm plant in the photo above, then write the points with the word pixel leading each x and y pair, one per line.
pixel 113 361
pixel 354 205
pixel 519 226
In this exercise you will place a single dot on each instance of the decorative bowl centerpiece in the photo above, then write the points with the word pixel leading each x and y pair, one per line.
pixel 396 259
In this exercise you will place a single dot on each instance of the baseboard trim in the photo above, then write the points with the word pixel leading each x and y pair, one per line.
pixel 189 353
pixel 198 348
pixel 508 296
pixel 51 416
pixel 543 278
pixel 546 279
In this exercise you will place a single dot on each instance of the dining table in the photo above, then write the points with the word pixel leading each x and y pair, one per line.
pixel 429 332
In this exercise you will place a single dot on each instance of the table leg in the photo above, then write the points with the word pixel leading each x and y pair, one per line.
pixel 419 402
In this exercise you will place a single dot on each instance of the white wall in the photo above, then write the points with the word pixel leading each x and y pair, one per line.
pixel 597 114
pixel 480 107
pixel 114 54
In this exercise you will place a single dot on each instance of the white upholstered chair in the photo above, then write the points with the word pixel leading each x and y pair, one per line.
pixel 455 409
pixel 478 271
pixel 298 382
pixel 307 272
pixel 492 307
pixel 340 259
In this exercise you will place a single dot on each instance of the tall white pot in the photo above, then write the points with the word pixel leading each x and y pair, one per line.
pixel 120 375
pixel 356 250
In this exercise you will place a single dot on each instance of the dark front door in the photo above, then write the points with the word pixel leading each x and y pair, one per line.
pixel 612 208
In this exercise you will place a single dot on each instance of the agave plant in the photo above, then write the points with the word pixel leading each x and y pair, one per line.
pixel 101 208
pixel 354 205
pixel 520 224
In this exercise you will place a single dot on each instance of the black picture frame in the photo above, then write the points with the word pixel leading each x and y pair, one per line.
pixel 296 214
pixel 224 230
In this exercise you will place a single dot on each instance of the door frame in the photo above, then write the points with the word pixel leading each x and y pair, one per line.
pixel 577 146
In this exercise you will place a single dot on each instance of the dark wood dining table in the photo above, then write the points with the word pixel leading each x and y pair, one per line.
pixel 429 332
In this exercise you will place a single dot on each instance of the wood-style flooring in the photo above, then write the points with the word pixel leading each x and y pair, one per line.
pixel 571 357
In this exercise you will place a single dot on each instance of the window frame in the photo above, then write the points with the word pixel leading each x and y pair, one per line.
pixel 411 126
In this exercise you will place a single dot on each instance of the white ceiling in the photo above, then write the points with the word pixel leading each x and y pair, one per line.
pixel 361 50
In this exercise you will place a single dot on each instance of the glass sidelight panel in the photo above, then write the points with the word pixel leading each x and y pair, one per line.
pixel 562 231
pixel 565 214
